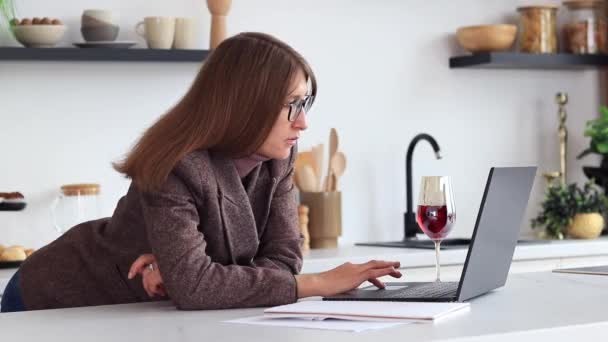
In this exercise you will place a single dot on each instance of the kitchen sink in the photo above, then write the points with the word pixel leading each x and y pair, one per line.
pixel 455 243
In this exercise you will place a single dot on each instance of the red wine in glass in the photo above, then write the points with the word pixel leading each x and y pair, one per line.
pixel 435 221
pixel 436 212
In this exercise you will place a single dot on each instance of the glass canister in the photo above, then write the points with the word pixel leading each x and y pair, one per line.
pixel 75 204
pixel 538 29
pixel 585 29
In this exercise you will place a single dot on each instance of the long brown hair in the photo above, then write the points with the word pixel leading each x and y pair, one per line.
pixel 230 108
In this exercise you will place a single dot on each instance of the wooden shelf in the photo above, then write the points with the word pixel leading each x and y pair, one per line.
pixel 101 54
pixel 514 60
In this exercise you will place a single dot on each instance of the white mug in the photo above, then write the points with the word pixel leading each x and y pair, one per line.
pixel 158 31
pixel 185 33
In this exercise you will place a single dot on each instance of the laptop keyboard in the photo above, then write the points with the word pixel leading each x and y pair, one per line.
pixel 430 290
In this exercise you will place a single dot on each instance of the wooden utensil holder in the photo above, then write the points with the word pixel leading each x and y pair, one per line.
pixel 324 217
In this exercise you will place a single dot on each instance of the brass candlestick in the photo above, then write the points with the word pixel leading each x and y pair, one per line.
pixel 550 177
pixel 561 99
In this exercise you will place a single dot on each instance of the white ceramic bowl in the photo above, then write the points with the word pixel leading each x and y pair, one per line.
pixel 39 35
pixel 96 17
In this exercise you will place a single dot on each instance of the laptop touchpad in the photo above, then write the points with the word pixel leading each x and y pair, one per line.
pixel 388 286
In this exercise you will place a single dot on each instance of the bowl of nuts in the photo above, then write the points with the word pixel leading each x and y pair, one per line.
pixel 38 32
pixel 487 38
pixel 13 256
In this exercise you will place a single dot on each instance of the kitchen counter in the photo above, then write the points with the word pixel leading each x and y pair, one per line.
pixel 560 251
pixel 419 263
pixel 537 306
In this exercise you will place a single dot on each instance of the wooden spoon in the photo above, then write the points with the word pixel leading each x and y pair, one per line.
pixel 333 180
pixel 333 148
pixel 317 151
pixel 338 165
pixel 306 179
pixel 304 158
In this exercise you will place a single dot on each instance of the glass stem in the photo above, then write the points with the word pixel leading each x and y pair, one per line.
pixel 437 248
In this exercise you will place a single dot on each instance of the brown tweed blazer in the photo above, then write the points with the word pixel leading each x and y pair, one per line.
pixel 218 243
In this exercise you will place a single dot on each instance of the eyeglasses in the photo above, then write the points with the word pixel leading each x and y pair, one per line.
pixel 295 107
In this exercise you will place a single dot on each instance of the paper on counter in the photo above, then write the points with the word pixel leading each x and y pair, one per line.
pixel 326 324
pixel 368 310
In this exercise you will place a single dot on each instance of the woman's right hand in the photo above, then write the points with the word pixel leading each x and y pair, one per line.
pixel 152 281
pixel 345 277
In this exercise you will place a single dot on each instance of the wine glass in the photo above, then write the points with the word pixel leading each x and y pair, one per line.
pixel 436 213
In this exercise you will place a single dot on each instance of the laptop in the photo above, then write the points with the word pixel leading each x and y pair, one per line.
pixel 504 201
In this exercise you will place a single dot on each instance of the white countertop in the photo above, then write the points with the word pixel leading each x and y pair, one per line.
pixel 532 304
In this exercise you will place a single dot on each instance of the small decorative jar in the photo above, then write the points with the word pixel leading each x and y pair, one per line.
pixel 538 29
pixel 585 29
pixel 76 203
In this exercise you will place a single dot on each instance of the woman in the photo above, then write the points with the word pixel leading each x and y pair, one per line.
pixel 211 198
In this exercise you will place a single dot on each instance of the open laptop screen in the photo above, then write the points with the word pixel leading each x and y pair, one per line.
pixel 496 230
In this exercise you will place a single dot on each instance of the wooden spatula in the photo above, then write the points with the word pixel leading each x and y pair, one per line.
pixel 338 165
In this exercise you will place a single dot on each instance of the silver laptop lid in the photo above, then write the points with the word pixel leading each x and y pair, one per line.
pixel 496 231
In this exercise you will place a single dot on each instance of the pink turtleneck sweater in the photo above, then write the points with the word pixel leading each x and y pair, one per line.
pixel 247 164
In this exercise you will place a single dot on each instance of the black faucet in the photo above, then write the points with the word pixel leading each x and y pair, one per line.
pixel 409 217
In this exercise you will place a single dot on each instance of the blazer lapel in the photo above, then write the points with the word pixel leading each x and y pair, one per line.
pixel 237 215
pixel 260 192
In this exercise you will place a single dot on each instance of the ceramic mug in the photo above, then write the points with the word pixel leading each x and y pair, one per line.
pixel 185 33
pixel 157 31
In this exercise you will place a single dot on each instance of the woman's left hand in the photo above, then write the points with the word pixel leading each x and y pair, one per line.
pixel 146 266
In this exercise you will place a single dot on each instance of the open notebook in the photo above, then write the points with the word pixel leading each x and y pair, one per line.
pixel 367 311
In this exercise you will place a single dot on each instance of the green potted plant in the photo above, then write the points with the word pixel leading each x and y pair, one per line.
pixel 597 130
pixel 572 211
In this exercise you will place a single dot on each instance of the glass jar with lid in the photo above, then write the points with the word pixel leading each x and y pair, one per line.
pixel 538 29
pixel 585 29
pixel 76 203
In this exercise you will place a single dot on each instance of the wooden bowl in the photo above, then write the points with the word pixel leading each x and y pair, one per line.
pixel 39 35
pixel 487 38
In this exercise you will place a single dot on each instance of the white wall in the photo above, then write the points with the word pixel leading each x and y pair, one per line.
pixel 383 73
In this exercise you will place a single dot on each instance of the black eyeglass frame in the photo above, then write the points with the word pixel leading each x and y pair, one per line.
pixel 295 107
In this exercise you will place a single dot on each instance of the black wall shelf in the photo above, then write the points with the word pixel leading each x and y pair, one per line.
pixel 101 54
pixel 514 60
